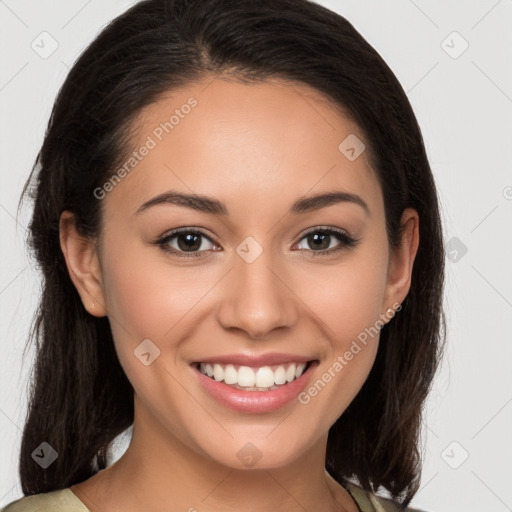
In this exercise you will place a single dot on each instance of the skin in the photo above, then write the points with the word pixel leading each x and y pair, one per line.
pixel 257 148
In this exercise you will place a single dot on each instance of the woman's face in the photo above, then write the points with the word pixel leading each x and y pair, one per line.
pixel 245 290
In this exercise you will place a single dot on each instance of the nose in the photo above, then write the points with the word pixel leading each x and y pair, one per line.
pixel 257 299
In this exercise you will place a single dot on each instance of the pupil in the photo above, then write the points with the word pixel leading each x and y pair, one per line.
pixel 323 237
pixel 191 241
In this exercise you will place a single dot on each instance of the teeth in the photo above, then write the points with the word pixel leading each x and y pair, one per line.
pixel 264 377
pixel 254 379
pixel 290 373
pixel 280 375
pixel 246 376
pixel 230 375
pixel 218 372
pixel 300 370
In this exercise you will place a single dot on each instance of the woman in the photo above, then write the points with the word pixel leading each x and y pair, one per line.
pixel 228 207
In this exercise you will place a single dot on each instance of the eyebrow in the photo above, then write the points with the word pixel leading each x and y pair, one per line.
pixel 213 206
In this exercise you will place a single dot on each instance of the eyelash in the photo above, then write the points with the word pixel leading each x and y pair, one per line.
pixel 346 240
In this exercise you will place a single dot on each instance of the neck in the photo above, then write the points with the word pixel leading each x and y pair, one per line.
pixel 159 472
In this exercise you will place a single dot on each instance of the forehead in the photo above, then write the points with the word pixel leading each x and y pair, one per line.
pixel 244 143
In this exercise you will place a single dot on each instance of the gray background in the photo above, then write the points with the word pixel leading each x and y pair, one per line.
pixel 463 101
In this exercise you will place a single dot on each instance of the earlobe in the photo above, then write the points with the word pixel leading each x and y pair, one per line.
pixel 81 256
pixel 402 260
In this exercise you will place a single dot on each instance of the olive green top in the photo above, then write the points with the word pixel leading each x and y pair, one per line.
pixel 65 500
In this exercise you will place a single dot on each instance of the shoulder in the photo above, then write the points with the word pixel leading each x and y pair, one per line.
pixel 369 502
pixel 63 500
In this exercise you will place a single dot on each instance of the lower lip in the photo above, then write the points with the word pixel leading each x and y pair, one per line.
pixel 255 401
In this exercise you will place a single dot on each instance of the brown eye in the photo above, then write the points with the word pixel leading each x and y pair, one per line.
pixel 185 242
pixel 319 240
pixel 323 241
pixel 189 242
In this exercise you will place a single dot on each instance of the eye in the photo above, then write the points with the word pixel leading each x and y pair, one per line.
pixel 185 243
pixel 320 241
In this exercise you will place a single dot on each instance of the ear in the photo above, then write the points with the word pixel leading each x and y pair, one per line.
pixel 401 261
pixel 83 264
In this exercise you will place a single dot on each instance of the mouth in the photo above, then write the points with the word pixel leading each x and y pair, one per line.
pixel 247 378
pixel 254 385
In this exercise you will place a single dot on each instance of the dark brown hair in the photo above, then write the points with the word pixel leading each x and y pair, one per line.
pixel 80 398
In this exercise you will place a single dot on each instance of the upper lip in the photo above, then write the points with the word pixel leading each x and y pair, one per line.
pixel 256 360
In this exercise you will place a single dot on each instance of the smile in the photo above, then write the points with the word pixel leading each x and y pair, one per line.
pixel 254 384
pixel 246 378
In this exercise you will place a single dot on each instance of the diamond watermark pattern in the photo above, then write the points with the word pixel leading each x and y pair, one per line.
pixel 455 249
pixel 44 455
pixel 45 45
pixel 249 249
pixel 352 147
pixel 146 352
pixel 454 455
pixel 454 45
pixel 249 455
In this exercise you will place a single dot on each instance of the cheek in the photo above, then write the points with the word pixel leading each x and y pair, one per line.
pixel 353 345
pixel 148 300
pixel 147 297
pixel 348 297
pixel 349 304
